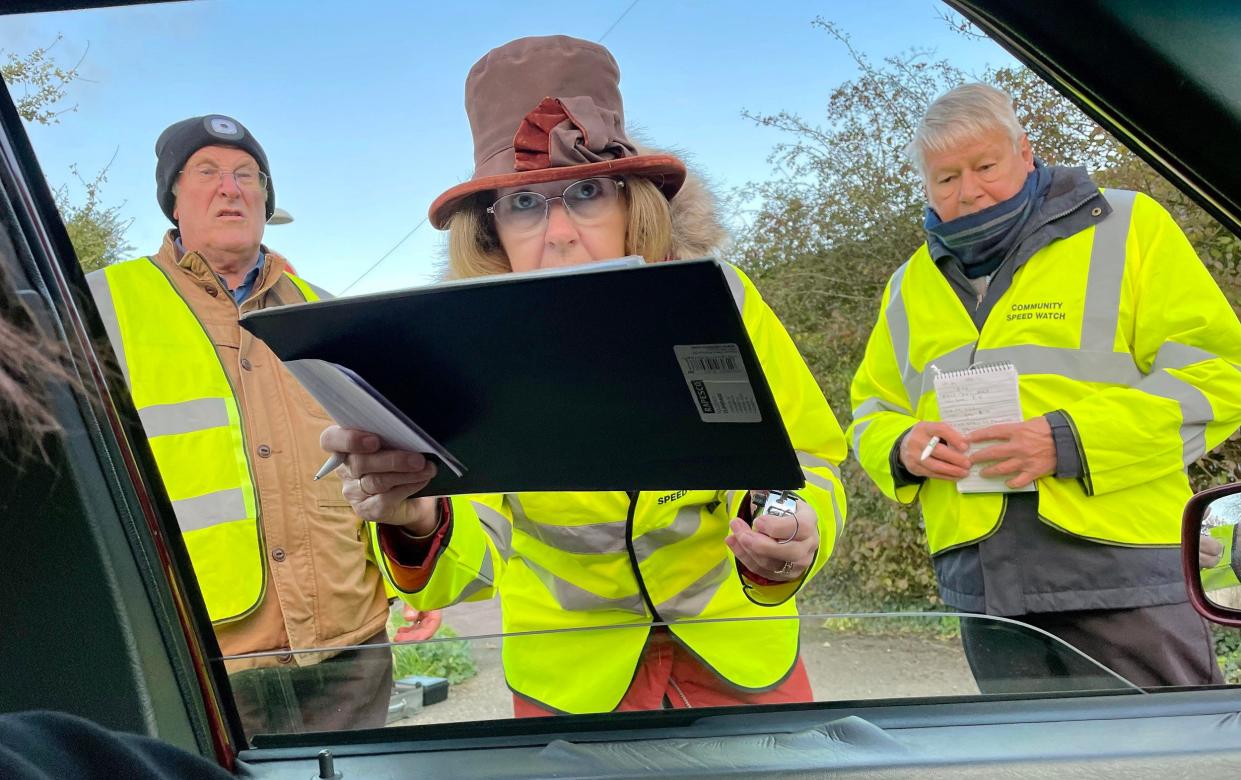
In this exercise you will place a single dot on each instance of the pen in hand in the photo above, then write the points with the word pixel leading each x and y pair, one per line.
pixel 926 453
pixel 335 460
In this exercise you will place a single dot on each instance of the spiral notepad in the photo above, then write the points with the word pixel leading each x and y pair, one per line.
pixel 974 398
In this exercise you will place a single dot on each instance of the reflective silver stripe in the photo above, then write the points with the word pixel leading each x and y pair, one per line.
pixel 875 405
pixel 898 332
pixel 840 518
pixel 691 601
pixel 224 506
pixel 858 430
pixel 686 523
pixel 952 360
pixel 102 294
pixel 496 526
pixel 815 462
pixel 1107 271
pixel 575 599
pixel 486 577
pixel 729 497
pixel 472 587
pixel 587 539
pixel 1173 355
pixel 1115 368
pixel 185 417
pixel 323 294
pixel 1109 367
pixel 735 285
pixel 818 481
pixel 1196 412
pixel 914 380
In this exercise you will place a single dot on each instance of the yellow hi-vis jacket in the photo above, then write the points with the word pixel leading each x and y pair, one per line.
pixel 190 413
pixel 613 559
pixel 1119 326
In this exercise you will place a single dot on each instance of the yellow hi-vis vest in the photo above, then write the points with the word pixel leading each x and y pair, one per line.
pixel 1119 326
pixel 610 563
pixel 189 411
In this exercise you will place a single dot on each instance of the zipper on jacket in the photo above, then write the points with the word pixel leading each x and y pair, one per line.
pixel 1039 226
pixel 633 555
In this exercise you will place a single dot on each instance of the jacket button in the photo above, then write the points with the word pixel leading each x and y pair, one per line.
pixel 278 554
pixel 264 451
pixel 245 363
pixel 287 658
pixel 1096 211
pixel 213 292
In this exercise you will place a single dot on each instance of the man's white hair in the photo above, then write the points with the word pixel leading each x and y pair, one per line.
pixel 963 114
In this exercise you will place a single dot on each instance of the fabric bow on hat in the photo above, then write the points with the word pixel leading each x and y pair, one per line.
pixel 560 132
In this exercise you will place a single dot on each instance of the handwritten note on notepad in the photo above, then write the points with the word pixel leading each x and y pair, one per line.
pixel 975 398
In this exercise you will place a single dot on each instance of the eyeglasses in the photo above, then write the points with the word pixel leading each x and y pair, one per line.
pixel 586 201
pixel 247 179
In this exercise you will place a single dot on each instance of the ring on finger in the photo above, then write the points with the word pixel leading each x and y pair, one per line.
pixel 792 536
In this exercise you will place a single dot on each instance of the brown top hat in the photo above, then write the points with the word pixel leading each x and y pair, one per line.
pixel 549 108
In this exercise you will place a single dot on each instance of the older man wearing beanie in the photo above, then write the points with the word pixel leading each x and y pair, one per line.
pixel 1126 353
pixel 280 558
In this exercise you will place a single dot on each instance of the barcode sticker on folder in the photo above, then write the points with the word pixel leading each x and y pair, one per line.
pixel 718 382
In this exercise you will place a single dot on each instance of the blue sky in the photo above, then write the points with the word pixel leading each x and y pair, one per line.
pixel 359 106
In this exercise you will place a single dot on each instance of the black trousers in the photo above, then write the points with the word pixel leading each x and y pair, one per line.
pixel 1150 647
pixel 350 690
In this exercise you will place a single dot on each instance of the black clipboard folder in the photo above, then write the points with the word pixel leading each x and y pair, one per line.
pixel 610 376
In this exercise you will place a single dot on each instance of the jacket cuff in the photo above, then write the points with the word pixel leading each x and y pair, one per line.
pixel 1068 453
pixel 412 560
pixel 901 476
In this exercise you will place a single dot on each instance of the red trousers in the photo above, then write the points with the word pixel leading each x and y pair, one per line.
pixel 670 677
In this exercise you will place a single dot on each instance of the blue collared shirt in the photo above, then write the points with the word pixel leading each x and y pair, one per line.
pixel 247 284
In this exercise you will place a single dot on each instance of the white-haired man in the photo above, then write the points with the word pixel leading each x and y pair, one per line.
pixel 1127 354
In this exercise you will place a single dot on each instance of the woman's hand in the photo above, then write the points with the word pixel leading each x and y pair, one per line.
pixel 377 482
pixel 776 548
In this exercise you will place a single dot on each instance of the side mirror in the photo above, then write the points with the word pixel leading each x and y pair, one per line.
pixel 1211 553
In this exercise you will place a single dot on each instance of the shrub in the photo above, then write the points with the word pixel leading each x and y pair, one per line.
pixel 434 657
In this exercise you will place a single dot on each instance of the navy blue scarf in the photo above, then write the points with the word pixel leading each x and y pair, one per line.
pixel 981 241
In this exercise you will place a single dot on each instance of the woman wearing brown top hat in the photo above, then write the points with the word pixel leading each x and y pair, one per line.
pixel 557 182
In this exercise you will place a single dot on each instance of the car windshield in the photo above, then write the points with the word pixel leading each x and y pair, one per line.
pixel 458 677
pixel 883 264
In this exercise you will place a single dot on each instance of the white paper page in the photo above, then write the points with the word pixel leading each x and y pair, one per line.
pixel 352 406
pixel 975 398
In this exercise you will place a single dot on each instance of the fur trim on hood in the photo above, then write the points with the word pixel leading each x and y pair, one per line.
pixel 696 227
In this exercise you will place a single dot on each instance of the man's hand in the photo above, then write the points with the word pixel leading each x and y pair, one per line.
pixel 1210 550
pixel 1025 450
pixel 947 461
pixel 377 482
pixel 421 625
pixel 763 550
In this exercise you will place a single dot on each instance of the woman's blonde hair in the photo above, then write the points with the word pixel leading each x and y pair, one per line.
pixel 474 248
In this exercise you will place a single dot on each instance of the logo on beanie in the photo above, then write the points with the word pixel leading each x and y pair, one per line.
pixel 223 126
